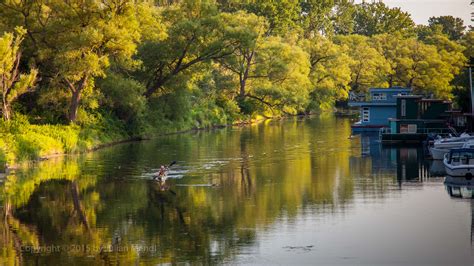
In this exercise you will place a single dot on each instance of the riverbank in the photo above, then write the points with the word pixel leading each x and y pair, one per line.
pixel 23 143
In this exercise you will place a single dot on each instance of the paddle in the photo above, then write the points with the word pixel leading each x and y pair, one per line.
pixel 169 189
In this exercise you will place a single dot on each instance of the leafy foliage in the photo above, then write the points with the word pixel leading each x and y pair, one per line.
pixel 368 66
pixel 13 83
pixel 451 26
pixel 376 18
pixel 120 68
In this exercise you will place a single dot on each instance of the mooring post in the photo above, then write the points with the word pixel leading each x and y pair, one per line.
pixel 472 91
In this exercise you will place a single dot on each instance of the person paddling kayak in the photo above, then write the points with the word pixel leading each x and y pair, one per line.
pixel 161 174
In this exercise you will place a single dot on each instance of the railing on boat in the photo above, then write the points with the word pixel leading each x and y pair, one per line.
pixel 443 132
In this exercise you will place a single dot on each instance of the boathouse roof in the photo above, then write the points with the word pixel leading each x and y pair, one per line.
pixel 392 89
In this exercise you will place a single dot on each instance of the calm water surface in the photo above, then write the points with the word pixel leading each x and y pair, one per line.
pixel 283 192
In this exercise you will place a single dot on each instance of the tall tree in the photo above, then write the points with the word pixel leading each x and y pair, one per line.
pixel 316 17
pixel 330 72
pixel 368 66
pixel 468 42
pixel 76 40
pixel 282 16
pixel 342 17
pixel 196 34
pixel 326 17
pixel 377 18
pixel 451 26
pixel 12 82
pixel 270 71
pixel 427 67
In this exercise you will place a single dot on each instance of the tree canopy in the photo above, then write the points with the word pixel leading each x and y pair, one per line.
pixel 151 63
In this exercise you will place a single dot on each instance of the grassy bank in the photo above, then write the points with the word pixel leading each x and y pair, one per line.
pixel 23 142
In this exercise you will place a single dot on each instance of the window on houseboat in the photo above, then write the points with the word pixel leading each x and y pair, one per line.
pixel 365 114
pixel 404 108
pixel 379 96
pixel 403 128
pixel 408 128
pixel 412 128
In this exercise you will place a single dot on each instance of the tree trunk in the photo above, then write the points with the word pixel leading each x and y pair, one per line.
pixel 244 76
pixel 242 88
pixel 6 111
pixel 76 98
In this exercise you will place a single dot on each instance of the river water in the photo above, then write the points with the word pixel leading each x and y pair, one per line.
pixel 298 191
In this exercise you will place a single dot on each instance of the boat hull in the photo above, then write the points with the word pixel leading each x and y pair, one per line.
pixel 438 153
pixel 357 128
pixel 459 170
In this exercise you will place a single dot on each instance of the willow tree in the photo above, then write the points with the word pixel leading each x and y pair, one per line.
pixel 97 34
pixel 368 66
pixel 195 34
pixel 330 72
pixel 377 18
pixel 427 67
pixel 13 83
pixel 269 70
pixel 440 77
pixel 326 17
pixel 451 26
pixel 76 41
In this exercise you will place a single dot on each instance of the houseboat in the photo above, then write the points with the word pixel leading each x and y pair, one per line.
pixel 416 118
pixel 376 109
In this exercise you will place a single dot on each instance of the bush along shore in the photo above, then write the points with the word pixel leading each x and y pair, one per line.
pixel 23 143
pixel 77 75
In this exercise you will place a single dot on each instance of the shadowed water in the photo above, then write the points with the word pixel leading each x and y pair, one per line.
pixel 299 191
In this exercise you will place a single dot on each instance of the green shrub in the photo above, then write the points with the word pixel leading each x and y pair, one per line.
pixel 32 145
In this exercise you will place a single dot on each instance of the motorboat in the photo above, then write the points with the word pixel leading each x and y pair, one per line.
pixel 462 138
pixel 442 146
pixel 469 144
pixel 459 162
pixel 438 153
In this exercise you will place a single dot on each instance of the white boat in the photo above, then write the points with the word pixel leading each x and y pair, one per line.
pixel 469 144
pixel 438 153
pixel 463 137
pixel 442 146
pixel 459 162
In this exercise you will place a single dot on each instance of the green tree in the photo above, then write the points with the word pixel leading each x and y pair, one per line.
pixel 75 41
pixel 368 66
pixel 316 17
pixel 326 17
pixel 468 42
pixel 342 17
pixel 282 16
pixel 377 18
pixel 265 66
pixel 330 72
pixel 97 34
pixel 196 34
pixel 281 76
pixel 13 83
pixel 428 68
pixel 451 26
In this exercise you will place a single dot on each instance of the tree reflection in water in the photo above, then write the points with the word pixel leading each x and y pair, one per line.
pixel 228 186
